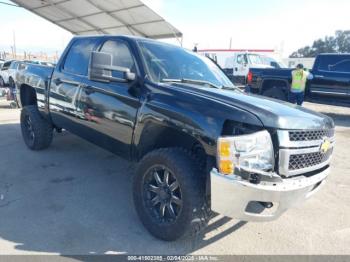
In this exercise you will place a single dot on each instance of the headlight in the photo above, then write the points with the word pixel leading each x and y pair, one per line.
pixel 248 152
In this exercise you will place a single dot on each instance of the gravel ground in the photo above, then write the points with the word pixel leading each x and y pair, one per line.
pixel 75 198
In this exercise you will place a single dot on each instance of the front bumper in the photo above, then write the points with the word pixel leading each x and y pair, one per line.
pixel 237 198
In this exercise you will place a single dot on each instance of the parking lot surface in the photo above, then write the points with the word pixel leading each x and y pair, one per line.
pixel 75 198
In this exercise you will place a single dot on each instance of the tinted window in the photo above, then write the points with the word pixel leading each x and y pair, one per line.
pixel 77 59
pixel 342 66
pixel 120 52
pixel 6 65
pixel 327 62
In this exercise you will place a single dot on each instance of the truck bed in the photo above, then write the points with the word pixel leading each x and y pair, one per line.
pixel 38 77
pixel 284 73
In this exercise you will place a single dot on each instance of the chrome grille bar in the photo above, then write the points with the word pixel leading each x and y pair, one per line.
pixel 300 155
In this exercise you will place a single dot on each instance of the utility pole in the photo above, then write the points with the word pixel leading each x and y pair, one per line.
pixel 14 45
pixel 230 43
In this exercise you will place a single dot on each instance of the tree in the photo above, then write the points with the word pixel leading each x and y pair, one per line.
pixel 340 43
pixel 343 41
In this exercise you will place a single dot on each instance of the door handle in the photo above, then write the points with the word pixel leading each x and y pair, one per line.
pixel 319 76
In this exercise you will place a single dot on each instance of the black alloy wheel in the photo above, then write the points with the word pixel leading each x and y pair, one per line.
pixel 169 194
pixel 162 194
pixel 28 130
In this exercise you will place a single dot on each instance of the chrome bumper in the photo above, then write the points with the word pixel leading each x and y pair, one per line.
pixel 233 197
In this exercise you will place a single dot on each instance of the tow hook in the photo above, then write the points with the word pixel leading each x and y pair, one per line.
pixel 266 204
pixel 255 179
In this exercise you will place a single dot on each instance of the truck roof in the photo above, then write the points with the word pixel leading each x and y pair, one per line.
pixel 334 54
pixel 109 36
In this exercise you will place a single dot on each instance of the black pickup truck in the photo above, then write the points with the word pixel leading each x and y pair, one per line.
pixel 200 143
pixel 331 80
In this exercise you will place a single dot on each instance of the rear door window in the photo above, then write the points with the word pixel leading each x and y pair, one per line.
pixel 334 63
pixel 77 59
pixel 342 66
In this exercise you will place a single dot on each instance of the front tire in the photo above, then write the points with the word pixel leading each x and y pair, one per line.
pixel 37 132
pixel 169 194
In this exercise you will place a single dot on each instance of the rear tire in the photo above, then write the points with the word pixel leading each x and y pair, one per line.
pixel 37 132
pixel 185 212
pixel 12 83
pixel 275 92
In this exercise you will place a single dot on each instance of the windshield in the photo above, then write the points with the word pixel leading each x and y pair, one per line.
pixel 166 62
pixel 272 62
pixel 255 59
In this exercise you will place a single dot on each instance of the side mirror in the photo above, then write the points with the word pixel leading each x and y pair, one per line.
pixel 101 68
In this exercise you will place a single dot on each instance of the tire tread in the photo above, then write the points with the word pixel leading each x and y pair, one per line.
pixel 42 128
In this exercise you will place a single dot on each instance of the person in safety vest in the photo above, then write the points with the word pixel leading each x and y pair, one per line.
pixel 297 90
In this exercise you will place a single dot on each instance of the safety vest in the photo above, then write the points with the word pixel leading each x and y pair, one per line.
pixel 299 78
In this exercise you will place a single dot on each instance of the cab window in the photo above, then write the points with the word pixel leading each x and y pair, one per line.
pixel 121 56
pixel 240 59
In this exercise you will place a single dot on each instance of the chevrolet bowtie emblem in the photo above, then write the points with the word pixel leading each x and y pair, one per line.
pixel 326 144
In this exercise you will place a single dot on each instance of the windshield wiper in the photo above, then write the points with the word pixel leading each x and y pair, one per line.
pixel 191 81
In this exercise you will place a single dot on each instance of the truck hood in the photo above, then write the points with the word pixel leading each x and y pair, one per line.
pixel 271 112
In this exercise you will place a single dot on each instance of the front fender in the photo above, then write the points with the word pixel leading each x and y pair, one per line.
pixel 175 116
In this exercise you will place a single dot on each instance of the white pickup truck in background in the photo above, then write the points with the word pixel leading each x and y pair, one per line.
pixel 237 64
pixel 8 72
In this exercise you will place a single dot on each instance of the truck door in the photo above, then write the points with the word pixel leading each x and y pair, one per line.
pixel 331 76
pixel 109 110
pixel 65 86
pixel 240 70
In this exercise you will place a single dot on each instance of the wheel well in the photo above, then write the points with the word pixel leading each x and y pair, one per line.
pixel 267 84
pixel 156 137
pixel 28 95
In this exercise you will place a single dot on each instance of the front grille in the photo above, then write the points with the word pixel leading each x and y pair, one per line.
pixel 301 151
pixel 310 135
pixel 300 161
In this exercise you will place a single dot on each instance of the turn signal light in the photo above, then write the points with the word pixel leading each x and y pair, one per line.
pixel 224 148
pixel 226 167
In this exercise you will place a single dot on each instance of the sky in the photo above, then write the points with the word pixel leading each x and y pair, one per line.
pixel 259 24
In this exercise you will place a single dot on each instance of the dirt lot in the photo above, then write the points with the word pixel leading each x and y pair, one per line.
pixel 75 198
